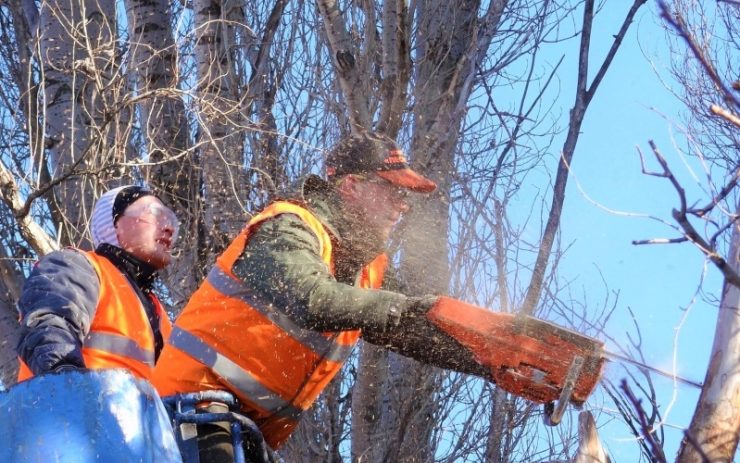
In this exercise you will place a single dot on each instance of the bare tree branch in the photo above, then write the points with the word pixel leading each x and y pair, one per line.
pixel 676 20
pixel 645 428
pixel 577 113
pixel 718 110
pixel 681 217
pixel 36 237
pixel 345 60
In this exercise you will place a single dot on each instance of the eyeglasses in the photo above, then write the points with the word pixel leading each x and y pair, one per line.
pixel 396 192
pixel 155 214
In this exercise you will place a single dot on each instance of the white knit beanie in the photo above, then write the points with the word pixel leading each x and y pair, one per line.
pixel 104 212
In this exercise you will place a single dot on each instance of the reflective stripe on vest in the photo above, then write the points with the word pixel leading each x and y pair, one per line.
pixel 211 331
pixel 247 384
pixel 119 345
pixel 320 344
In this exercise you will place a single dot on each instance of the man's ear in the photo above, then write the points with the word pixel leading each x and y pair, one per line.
pixel 347 186
pixel 119 231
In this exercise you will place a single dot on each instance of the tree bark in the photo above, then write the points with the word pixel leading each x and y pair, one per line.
pixel 220 140
pixel 715 427
pixel 267 160
pixel 447 47
pixel 85 127
pixel 370 439
pixel 350 65
pixel 11 282
pixel 170 171
pixel 404 392
pixel 590 449
pixel 396 62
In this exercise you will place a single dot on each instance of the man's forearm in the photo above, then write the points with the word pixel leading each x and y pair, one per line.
pixel 415 337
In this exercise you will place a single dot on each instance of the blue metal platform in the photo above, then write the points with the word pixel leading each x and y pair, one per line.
pixel 85 416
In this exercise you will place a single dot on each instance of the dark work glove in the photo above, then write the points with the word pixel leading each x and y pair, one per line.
pixel 411 309
pixel 66 367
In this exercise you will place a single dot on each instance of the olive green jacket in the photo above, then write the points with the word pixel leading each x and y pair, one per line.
pixel 282 265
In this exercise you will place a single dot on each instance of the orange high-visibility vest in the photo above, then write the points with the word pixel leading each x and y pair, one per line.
pixel 120 333
pixel 227 339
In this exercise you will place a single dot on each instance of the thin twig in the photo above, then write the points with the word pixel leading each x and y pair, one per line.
pixel 660 241
pixel 720 196
pixel 647 433
pixel 678 23
pixel 681 217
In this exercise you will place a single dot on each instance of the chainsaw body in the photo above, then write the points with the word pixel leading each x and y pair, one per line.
pixel 531 358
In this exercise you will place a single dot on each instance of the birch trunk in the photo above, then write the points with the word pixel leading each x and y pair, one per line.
pixel 154 60
pixel 85 126
pixel 220 140
pixel 162 118
pixel 590 449
pixel 715 427
pixel 447 36
pixel 11 282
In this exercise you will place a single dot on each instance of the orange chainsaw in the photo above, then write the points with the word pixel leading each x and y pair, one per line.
pixel 531 358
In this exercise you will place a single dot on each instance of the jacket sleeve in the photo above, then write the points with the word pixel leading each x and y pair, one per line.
pixel 56 306
pixel 282 266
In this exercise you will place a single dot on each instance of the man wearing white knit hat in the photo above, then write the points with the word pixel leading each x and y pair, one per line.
pixel 97 309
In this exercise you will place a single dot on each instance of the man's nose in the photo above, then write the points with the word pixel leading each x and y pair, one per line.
pixel 402 205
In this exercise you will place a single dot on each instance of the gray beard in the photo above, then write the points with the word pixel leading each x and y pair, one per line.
pixel 361 244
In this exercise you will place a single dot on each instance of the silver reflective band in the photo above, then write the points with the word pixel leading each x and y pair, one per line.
pixel 119 345
pixel 242 380
pixel 321 345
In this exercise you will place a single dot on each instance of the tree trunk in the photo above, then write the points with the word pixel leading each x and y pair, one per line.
pixel 590 449
pixel 404 393
pixel 80 63
pixel 350 66
pixel 10 288
pixel 220 140
pixel 267 160
pixel 446 47
pixel 500 421
pixel 162 118
pixel 8 356
pixel 370 439
pixel 715 428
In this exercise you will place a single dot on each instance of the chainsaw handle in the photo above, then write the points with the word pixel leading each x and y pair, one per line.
pixel 554 411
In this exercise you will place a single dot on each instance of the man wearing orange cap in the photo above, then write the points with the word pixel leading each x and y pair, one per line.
pixel 287 301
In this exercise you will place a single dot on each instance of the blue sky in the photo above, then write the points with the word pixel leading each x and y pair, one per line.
pixel 658 282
